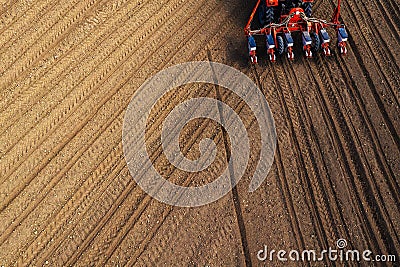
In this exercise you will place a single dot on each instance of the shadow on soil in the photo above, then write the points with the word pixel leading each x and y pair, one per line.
pixel 236 50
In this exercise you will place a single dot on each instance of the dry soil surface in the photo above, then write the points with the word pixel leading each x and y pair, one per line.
pixel 68 70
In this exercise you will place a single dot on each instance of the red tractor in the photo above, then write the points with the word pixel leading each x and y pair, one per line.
pixel 278 19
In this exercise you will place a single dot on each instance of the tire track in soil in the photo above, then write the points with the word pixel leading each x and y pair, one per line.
pixel 294 186
pixel 11 11
pixel 356 95
pixel 130 226
pixel 391 82
pixel 384 54
pixel 317 192
pixel 329 112
pixel 394 4
pixel 37 112
pixel 377 97
pixel 339 146
pixel 392 18
pixel 173 236
pixel 371 186
pixel 132 223
pixel 351 83
pixel 336 139
pixel 377 147
pixel 72 12
pixel 11 92
pixel 95 109
pixel 283 183
pixel 235 194
pixel 55 180
pixel 62 51
pixel 28 124
pixel 101 75
pixel 142 247
pixel 321 174
pixel 144 244
pixel 339 140
pixel 295 127
pixel 41 8
pixel 311 71
pixel 89 192
pixel 219 240
pixel 390 5
pixel 377 64
pixel 353 159
pixel 121 235
pixel 25 62
pixel 281 177
pixel 136 258
pixel 129 220
pixel 137 255
pixel 63 217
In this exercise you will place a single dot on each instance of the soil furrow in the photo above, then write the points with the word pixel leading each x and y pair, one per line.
pixel 71 12
pixel 282 179
pixel 319 163
pixel 313 172
pixel 387 171
pixel 350 142
pixel 84 197
pixel 384 61
pixel 294 124
pixel 10 11
pixel 392 19
pixel 88 86
pixel 68 72
pixel 122 235
pixel 50 97
pixel 91 34
pixel 20 25
pixel 383 101
pixel 371 175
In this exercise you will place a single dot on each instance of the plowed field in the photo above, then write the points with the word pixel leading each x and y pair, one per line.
pixel 68 70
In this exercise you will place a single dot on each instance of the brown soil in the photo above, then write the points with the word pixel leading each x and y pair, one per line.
pixel 68 71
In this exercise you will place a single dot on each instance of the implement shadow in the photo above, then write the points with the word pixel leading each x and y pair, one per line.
pixel 236 50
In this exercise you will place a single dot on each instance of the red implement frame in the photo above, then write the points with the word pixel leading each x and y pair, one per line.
pixel 296 21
